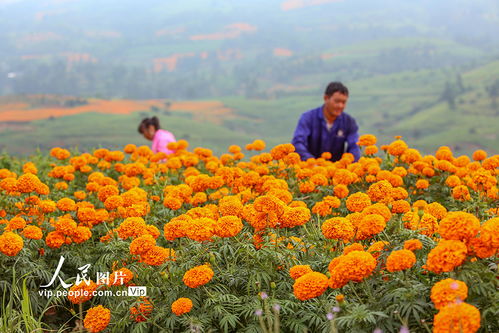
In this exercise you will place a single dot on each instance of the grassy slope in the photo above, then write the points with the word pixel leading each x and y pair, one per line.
pixel 405 103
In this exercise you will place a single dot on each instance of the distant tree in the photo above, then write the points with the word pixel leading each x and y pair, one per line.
pixel 449 95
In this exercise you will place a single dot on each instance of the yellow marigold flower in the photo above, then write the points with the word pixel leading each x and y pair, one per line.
pixel 413 245
pixel 357 202
pixel 228 226
pixel 448 291
pixel 142 244
pixel 367 140
pixel 11 243
pixel 310 285
pixel 436 209
pixel 181 306
pixel 400 260
pixel 459 226
pixel 353 247
pixel 82 292
pixel 298 271
pixel 457 318
pixel 97 319
pixel 158 255
pixel 446 256
pixel 198 276
pixel 338 228
pixel 355 266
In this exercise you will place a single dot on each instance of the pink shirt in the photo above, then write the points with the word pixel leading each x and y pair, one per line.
pixel 161 139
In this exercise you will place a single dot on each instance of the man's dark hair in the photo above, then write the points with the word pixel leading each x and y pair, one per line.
pixel 336 87
pixel 154 121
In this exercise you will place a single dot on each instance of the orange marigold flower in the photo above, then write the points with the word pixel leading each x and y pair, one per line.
pixel 80 293
pixel 106 192
pixel 370 225
pixel 357 202
pixel 198 276
pixel 11 243
pixel 377 247
pixel 310 285
pixel 299 270
pixel 400 260
pixel 341 191
pixel 16 223
pixel 295 216
pixel 142 244
pixel 201 229
pixel 228 226
pixel 230 205
pixel 461 193
pixel 457 318
pixel 489 232
pixel 400 206
pixel 448 291
pixel 131 227
pixel 27 183
pixel 397 148
pixel 97 319
pixel 446 256
pixel 81 234
pixel 413 245
pixel 176 228
pixel 158 255
pixel 130 148
pixel 436 210
pixel 380 191
pixel 353 247
pixel 453 181
pixel 338 228
pixel 55 239
pixel 422 184
pixel 66 204
pixel 181 306
pixel 444 153
pixel 371 150
pixel 33 232
pixel 427 225
pixel 459 226
pixel 367 140
pixel 479 155
pixel 355 266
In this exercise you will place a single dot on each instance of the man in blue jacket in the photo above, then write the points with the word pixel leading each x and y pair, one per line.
pixel 327 128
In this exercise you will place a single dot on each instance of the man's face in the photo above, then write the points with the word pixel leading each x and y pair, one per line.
pixel 335 104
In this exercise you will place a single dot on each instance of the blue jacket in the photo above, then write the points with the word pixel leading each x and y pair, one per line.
pixel 312 137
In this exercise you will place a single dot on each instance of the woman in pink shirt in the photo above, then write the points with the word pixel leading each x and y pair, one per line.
pixel 160 138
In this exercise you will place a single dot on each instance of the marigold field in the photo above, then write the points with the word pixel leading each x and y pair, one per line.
pixel 254 240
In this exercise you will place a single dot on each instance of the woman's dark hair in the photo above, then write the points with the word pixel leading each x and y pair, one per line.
pixel 154 121
pixel 336 87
